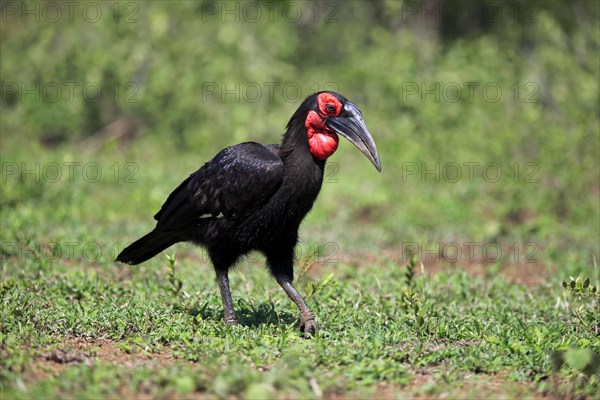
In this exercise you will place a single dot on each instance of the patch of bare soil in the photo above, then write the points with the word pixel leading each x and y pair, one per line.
pixel 80 351
pixel 470 386
pixel 524 273
pixel 433 383
pixel 84 351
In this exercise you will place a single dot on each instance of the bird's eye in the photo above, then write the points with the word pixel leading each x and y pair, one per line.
pixel 329 105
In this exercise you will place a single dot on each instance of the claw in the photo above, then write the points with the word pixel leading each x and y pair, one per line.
pixel 309 327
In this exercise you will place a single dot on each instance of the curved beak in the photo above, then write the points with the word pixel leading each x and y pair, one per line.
pixel 350 124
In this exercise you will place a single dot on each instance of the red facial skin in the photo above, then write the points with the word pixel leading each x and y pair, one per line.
pixel 322 141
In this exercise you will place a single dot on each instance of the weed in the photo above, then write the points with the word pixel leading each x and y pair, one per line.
pixel 176 283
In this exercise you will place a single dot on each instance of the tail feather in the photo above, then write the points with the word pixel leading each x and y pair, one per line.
pixel 147 247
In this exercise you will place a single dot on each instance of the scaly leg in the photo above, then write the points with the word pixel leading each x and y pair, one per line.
pixel 223 282
pixel 308 324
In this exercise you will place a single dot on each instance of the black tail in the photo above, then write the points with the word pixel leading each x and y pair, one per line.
pixel 147 247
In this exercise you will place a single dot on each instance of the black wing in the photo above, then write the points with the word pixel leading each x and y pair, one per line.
pixel 236 182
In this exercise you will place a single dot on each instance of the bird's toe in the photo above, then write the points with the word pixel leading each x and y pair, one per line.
pixel 309 327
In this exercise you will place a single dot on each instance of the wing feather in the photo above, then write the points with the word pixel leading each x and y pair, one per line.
pixel 235 183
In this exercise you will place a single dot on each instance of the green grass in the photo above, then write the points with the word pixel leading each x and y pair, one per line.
pixel 386 328
pixel 377 328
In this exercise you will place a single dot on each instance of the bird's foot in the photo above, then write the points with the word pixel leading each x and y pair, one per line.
pixel 231 321
pixel 308 326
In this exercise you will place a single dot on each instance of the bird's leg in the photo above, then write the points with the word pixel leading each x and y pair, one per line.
pixel 223 282
pixel 308 323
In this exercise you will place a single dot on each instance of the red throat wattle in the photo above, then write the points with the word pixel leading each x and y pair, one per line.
pixel 322 142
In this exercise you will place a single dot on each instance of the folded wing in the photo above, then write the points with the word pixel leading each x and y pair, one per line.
pixel 235 183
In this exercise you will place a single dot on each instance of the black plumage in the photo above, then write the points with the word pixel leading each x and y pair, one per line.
pixel 254 197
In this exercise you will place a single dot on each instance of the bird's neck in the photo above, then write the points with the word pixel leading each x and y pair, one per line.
pixel 303 173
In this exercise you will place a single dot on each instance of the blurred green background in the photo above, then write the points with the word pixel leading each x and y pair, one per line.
pixel 151 90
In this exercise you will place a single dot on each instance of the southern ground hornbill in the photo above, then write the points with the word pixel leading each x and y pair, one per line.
pixel 254 197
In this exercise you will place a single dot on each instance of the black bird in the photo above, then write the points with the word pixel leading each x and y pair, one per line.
pixel 254 197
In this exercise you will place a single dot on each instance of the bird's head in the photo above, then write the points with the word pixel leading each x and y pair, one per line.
pixel 328 114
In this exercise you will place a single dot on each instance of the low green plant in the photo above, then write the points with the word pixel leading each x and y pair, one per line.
pixel 174 280
pixel 581 288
